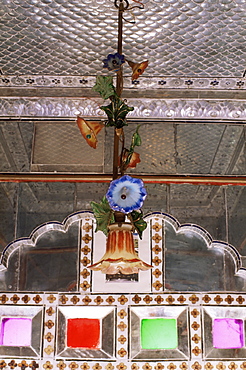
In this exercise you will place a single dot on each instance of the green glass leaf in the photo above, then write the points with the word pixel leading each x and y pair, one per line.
pixel 122 110
pixel 116 112
pixel 103 214
pixel 128 157
pixel 108 109
pixel 136 139
pixel 104 86
pixel 138 222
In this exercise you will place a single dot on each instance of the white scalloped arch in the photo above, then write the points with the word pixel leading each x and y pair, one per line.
pixel 75 217
pixel 211 244
pixel 38 232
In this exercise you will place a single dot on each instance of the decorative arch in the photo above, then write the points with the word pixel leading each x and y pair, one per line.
pixel 184 229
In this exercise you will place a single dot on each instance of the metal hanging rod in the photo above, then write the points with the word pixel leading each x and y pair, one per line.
pixel 105 178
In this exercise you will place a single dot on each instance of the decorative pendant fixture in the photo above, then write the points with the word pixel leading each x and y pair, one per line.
pixel 126 194
pixel 120 255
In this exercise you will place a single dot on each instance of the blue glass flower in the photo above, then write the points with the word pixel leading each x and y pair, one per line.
pixel 126 194
pixel 113 62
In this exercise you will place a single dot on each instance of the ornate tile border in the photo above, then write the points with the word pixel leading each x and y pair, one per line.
pixel 157 247
pixel 166 109
pixel 92 365
pixel 165 82
pixel 86 228
pixel 122 303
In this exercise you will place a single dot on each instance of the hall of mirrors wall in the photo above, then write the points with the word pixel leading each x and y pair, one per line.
pixel 176 315
pixel 218 210
pixel 186 312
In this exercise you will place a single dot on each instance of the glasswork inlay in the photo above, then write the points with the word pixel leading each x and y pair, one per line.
pixel 83 333
pixel 228 333
pixel 16 331
pixel 159 333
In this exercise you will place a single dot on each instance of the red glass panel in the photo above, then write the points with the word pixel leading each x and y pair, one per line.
pixel 83 333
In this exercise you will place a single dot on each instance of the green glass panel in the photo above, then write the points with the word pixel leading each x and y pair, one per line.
pixel 159 333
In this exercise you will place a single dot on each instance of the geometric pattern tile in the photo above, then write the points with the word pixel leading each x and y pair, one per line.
pixel 179 38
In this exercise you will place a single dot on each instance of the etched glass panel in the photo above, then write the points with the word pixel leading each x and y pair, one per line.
pixel 52 264
pixel 202 269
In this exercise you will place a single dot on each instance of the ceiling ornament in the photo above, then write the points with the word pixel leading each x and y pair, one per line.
pixel 126 194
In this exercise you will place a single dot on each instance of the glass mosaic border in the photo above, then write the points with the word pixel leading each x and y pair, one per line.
pixel 166 109
pixel 121 303
pixel 165 82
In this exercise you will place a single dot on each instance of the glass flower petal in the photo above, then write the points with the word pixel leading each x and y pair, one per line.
pixel 113 62
pixel 126 194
